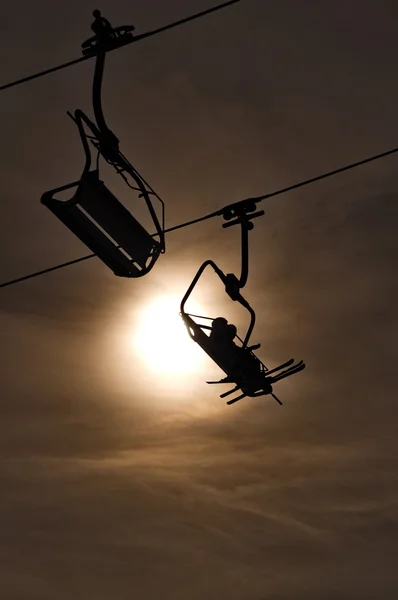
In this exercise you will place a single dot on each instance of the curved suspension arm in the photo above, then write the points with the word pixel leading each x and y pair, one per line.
pixel 245 227
pixel 244 303
pixel 97 100
pixel 79 118
pixel 84 140
pixel 195 281
pixel 242 213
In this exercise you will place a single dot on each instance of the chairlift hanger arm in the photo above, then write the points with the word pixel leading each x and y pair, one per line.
pixel 241 213
pixel 78 119
pixel 106 133
pixel 244 228
pixel 108 143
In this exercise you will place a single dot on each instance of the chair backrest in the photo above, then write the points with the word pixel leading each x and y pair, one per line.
pixel 223 357
pixel 242 365
pixel 101 222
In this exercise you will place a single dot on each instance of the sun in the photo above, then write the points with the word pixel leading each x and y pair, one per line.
pixel 161 341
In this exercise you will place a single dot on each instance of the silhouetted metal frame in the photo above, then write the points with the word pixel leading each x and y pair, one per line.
pixel 241 213
pixel 109 147
pixel 120 163
pixel 113 156
pixel 236 298
pixel 97 98
pixel 195 331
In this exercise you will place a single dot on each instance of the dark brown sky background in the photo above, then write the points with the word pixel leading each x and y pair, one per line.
pixel 114 485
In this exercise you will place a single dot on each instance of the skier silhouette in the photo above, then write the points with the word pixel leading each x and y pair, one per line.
pixel 222 333
pixel 240 359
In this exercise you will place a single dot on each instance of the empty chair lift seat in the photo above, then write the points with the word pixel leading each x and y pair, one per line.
pixel 105 226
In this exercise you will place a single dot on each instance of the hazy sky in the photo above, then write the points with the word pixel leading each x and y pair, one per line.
pixel 116 483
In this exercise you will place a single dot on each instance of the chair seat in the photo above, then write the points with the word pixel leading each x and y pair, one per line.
pixel 105 226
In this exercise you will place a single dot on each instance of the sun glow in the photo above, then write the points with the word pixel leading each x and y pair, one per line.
pixel 162 343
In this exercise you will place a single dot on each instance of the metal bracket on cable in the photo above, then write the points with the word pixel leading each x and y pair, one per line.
pixel 106 37
pixel 241 213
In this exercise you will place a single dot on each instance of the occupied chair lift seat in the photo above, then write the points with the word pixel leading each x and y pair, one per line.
pixel 105 226
pixel 241 366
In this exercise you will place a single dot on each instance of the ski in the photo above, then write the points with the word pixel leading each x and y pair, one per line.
pixel 225 394
pixel 236 399
pixel 283 366
pixel 296 369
